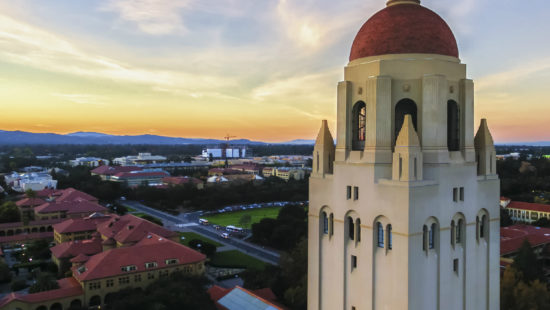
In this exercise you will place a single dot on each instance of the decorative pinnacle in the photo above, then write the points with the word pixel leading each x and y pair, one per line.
pixel 394 2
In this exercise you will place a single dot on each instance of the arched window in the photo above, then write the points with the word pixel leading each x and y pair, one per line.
pixel 425 238
pixel 432 236
pixel 359 126
pixel 390 241
pixel 325 223
pixel 351 229
pixel 358 229
pixel 453 126
pixel 380 234
pixel 404 107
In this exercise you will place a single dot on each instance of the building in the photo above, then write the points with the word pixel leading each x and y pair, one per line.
pixel 106 172
pixel 88 162
pixel 140 159
pixel 95 278
pixel 174 181
pixel 36 181
pixel 525 211
pixel 230 152
pixel 137 178
pixel 285 173
pixel 404 210
pixel 239 298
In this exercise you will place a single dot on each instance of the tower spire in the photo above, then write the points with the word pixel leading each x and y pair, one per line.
pixel 407 158
pixel 323 152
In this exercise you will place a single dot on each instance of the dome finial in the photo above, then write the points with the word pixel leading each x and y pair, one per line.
pixel 394 2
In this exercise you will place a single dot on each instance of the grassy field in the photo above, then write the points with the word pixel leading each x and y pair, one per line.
pixel 235 258
pixel 233 218
pixel 191 235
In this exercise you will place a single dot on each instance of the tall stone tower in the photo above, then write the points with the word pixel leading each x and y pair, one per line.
pixel 404 211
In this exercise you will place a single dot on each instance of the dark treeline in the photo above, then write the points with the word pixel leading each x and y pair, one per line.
pixel 524 151
pixel 525 180
pixel 16 157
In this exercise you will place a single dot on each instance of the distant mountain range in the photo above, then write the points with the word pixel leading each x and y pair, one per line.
pixel 536 143
pixel 22 137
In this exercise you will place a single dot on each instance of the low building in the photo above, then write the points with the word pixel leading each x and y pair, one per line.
pixel 525 211
pixel 88 162
pixel 137 178
pixel 173 181
pixel 230 152
pixel 67 209
pixel 36 181
pixel 79 228
pixel 140 159
pixel 238 298
pixel 107 172
pixel 285 173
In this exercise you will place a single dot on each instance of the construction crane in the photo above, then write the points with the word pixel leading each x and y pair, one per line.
pixel 225 147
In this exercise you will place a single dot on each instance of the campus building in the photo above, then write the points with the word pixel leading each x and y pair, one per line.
pixel 526 212
pixel 404 210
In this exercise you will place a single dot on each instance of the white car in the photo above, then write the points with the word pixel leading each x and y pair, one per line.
pixel 225 235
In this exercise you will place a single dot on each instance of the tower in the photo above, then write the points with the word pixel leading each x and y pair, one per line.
pixel 404 211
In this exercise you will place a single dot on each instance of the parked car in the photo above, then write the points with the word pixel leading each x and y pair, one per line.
pixel 225 235
pixel 217 227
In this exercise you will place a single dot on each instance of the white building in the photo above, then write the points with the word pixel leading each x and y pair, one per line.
pixel 230 152
pixel 140 159
pixel 88 162
pixel 404 211
pixel 37 181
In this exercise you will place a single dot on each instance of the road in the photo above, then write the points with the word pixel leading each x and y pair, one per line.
pixel 182 221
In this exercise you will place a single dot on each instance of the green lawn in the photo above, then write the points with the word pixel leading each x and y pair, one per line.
pixel 236 259
pixel 233 218
pixel 191 235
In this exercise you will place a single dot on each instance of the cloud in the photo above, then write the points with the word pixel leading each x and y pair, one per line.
pixel 86 99
pixel 505 78
pixel 154 17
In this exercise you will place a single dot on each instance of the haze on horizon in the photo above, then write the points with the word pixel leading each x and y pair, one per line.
pixel 259 70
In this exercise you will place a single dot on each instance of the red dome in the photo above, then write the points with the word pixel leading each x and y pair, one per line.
pixel 401 29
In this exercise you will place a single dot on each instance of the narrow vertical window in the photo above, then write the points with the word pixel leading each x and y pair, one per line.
pixel 462 194
pixel 390 241
pixel 432 236
pixel 400 167
pixel 317 161
pixel 482 226
pixel 348 192
pixel 455 265
pixel 351 228
pixel 415 168
pixel 359 126
pixel 358 229
pixel 355 193
pixel 455 194
pixel 325 223
pixel 453 126
pixel 452 232
pixel 331 224
pixel 477 228
pixel 353 262
pixel 425 238
pixel 380 230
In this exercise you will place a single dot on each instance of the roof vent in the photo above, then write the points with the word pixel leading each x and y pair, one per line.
pixel 160 239
pixel 130 227
pixel 149 236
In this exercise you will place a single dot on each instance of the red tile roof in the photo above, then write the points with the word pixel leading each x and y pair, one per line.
pixel 129 228
pixel 152 248
pixel 72 195
pixel 71 207
pixel 512 237
pixel 528 206
pixel 81 224
pixel 112 170
pixel 29 202
pixel 80 258
pixel 74 248
pixel 68 287
pixel 266 295
pixel 137 175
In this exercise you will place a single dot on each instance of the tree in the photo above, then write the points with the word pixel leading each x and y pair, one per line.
pixel 9 212
pixel 527 263
pixel 205 248
pixel 245 220
pixel 44 282
pixel 39 249
pixel 29 193
pixel 515 294
pixel 152 219
pixel 18 284
pixel 5 274
pixel 505 219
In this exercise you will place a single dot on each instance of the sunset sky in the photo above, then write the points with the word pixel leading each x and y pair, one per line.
pixel 257 69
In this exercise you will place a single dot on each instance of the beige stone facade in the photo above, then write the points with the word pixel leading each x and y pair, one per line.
pixel 404 211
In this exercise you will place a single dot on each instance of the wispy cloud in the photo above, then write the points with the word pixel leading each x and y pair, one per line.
pixel 87 99
pixel 155 17
pixel 516 74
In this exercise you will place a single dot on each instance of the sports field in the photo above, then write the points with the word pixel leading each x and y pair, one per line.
pixel 236 259
pixel 233 218
pixel 191 235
